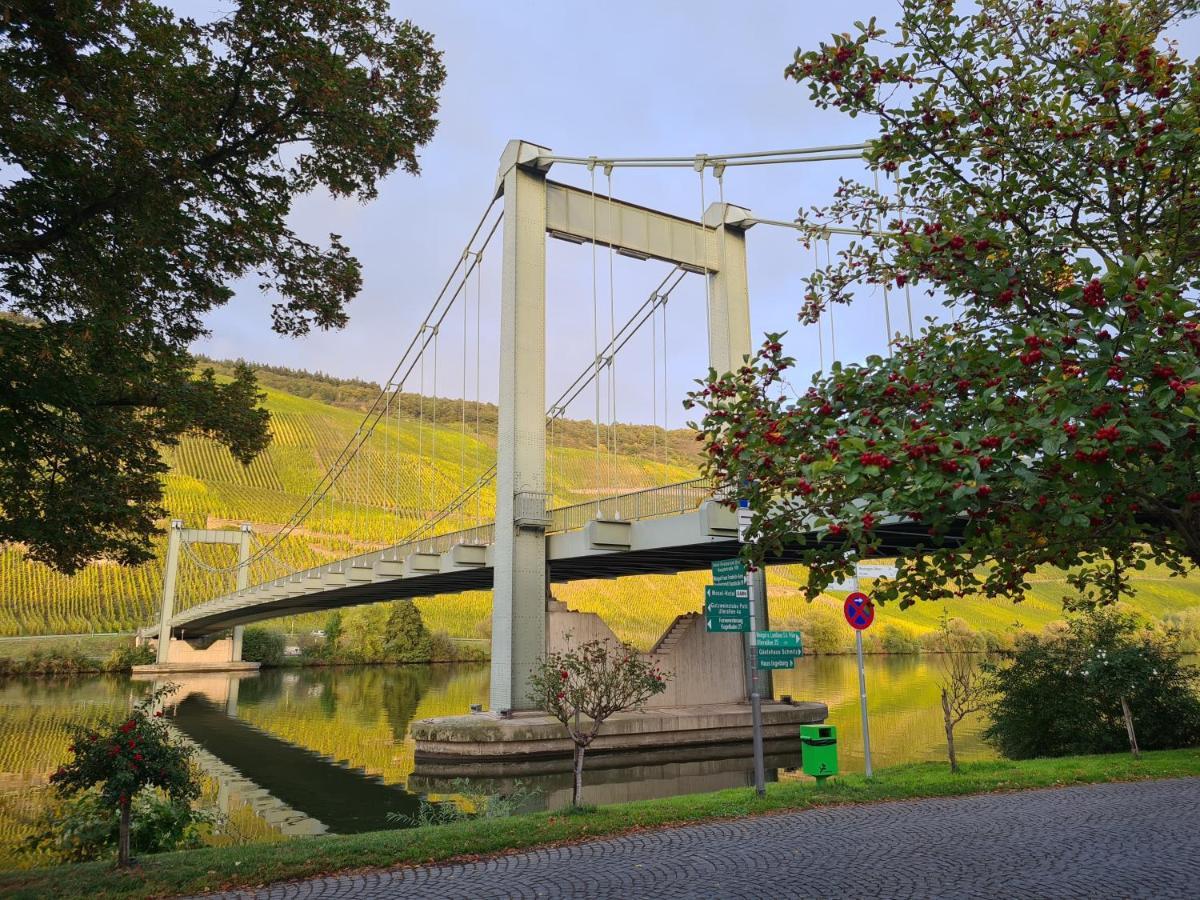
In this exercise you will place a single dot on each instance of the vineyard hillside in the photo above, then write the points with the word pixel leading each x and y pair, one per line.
pixel 388 493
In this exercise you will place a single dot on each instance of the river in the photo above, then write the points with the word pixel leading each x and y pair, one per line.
pixel 306 751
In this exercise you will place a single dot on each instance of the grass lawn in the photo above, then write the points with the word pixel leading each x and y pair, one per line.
pixel 227 867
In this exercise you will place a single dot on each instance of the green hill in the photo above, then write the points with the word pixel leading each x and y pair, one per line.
pixel 312 418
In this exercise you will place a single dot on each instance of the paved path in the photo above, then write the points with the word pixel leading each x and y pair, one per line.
pixel 1114 840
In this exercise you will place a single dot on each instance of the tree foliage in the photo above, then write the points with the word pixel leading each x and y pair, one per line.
pixel 149 162
pixel 262 645
pixel 406 638
pixel 1045 159
pixel 120 759
pixel 583 686
pixel 1063 695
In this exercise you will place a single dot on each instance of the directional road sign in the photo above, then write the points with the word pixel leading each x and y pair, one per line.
pixel 729 572
pixel 783 640
pixel 726 593
pixel 726 608
pixel 859 610
pixel 778 652
pixel 774 662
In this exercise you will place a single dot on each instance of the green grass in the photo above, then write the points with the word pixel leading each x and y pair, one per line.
pixel 230 867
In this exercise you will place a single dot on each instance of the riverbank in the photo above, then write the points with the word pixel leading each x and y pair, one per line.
pixel 230 867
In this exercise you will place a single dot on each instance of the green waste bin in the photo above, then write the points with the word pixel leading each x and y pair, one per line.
pixel 818 750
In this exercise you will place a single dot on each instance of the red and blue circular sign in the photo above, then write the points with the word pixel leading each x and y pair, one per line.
pixel 859 610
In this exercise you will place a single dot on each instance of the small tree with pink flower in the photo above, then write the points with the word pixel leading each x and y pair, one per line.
pixel 123 757
pixel 585 685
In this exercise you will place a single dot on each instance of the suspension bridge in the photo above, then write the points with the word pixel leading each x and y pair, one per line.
pixel 495 526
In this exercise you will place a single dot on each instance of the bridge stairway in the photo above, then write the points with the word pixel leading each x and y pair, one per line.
pixel 672 635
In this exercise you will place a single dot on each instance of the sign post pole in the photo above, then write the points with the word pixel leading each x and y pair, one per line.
pixel 860 614
pixel 760 774
pixel 862 701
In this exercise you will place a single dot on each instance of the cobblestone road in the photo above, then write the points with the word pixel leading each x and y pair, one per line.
pixel 1116 840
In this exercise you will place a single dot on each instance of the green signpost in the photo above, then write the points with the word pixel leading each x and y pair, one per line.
pixel 777 649
pixel 783 640
pixel 726 608
pixel 729 572
pixel 773 662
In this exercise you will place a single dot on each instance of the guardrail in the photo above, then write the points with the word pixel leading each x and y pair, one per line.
pixel 651 503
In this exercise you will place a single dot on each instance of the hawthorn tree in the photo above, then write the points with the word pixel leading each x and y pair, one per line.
pixel 1045 158
pixel 147 162
pixel 583 686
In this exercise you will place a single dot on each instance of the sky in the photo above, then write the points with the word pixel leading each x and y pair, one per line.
pixel 611 79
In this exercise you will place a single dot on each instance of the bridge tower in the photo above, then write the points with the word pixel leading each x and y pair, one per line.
pixel 176 654
pixel 534 206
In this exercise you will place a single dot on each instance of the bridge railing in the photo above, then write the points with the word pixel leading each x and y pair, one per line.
pixel 668 500
pixel 441 543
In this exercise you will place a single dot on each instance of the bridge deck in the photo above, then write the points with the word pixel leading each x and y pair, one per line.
pixel 668 530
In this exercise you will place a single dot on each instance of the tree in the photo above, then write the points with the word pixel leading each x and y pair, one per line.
pixel 123 758
pixel 1045 158
pixel 149 162
pixel 1082 691
pixel 964 689
pixel 261 645
pixel 407 639
pixel 592 682
pixel 333 633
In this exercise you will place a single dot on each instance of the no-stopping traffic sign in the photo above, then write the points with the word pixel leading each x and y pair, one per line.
pixel 859 610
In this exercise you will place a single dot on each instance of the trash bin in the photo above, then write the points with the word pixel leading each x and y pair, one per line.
pixel 818 750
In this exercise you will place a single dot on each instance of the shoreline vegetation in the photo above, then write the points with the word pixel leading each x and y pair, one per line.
pixel 822 636
pixel 216 868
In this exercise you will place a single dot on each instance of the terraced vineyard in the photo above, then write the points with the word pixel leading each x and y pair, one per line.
pixel 389 494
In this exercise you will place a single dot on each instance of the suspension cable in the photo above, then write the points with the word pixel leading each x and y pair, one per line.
pixel 478 365
pixel 832 334
pixel 462 431
pixel 887 312
pixel 820 326
pixel 595 337
pixel 612 336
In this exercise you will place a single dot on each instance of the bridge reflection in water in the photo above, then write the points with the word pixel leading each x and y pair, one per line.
pixel 327 750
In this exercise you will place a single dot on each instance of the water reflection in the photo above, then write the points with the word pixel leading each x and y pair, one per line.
pixel 304 751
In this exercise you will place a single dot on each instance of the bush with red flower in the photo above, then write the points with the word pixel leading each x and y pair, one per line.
pixel 583 686
pixel 122 758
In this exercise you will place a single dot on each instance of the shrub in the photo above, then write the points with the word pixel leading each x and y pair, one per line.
pixel 120 760
pixel 894 639
pixel 474 805
pixel 85 827
pixel 823 629
pixel 261 645
pixel 123 659
pixel 1068 693
pixel 51 662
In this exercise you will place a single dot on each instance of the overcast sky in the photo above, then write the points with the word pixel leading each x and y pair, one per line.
pixel 610 79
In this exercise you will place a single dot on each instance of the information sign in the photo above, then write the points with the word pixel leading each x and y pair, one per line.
pixel 726 608
pixel 729 572
pixel 875 570
pixel 776 662
pixel 783 640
